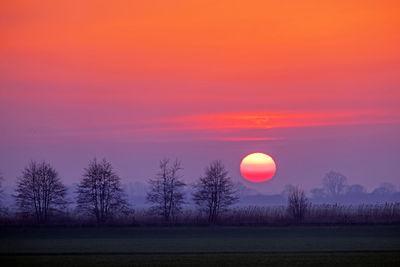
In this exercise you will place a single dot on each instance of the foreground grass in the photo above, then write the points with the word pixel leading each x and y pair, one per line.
pixel 202 246
pixel 287 259
pixel 199 239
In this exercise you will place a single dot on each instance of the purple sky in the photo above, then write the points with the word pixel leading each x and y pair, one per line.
pixel 367 154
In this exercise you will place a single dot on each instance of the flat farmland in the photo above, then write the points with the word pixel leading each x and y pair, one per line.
pixel 377 245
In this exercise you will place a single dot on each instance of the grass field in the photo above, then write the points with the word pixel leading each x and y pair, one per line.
pixel 201 246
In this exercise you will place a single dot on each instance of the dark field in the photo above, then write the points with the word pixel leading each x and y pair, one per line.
pixel 202 246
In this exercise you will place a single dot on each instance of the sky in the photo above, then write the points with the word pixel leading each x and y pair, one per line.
pixel 314 84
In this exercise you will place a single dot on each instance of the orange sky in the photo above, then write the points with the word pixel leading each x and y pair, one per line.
pixel 197 58
pixel 287 51
pixel 195 70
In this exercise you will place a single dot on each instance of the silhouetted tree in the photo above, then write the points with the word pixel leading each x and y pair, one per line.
pixel 214 192
pixel 166 190
pixel 334 183
pixel 297 203
pixel 40 190
pixel 100 193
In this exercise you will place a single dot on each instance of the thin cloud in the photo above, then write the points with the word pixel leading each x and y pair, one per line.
pixel 229 127
pixel 268 120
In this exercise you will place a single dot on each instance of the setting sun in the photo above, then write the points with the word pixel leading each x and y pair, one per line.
pixel 257 167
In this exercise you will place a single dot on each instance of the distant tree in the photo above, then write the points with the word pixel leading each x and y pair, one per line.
pixel 287 190
pixel 355 189
pixel 243 190
pixel 100 193
pixel 214 192
pixel 384 189
pixel 297 203
pixel 40 190
pixel 317 193
pixel 334 183
pixel 166 190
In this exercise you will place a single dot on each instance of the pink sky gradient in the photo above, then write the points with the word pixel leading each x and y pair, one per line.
pixel 314 84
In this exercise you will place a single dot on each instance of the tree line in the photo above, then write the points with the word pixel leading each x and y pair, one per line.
pixel 40 191
pixel 40 194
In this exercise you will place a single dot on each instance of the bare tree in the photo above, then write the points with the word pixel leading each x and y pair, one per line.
pixel 214 192
pixel 166 190
pixel 334 183
pixel 100 193
pixel 297 203
pixel 40 190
